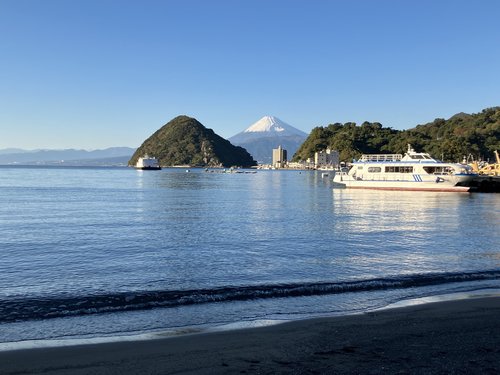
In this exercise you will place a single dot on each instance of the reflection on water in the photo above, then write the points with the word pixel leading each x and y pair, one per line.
pixel 373 210
pixel 412 230
pixel 92 231
pixel 286 226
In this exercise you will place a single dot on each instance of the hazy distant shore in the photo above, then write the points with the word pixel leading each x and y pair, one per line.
pixel 446 337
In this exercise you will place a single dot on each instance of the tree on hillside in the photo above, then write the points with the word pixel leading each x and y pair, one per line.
pixel 452 139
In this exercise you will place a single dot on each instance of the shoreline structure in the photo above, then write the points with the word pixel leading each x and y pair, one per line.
pixel 453 336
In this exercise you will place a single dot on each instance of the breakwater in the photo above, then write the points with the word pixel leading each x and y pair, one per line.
pixel 485 184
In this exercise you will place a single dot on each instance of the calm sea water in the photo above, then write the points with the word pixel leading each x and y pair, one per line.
pixel 93 252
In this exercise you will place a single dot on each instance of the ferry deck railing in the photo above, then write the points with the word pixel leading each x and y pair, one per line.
pixel 381 157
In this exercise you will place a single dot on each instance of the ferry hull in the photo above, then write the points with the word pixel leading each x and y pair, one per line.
pixel 148 168
pixel 402 186
pixel 462 189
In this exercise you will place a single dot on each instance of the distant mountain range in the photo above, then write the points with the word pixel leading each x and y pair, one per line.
pixel 260 138
pixel 12 151
pixel 113 156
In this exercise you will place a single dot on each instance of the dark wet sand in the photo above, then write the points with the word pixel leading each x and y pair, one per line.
pixel 457 337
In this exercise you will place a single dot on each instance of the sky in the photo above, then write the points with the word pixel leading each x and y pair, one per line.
pixel 92 74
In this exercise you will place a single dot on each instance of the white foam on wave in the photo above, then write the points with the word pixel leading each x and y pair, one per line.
pixel 481 293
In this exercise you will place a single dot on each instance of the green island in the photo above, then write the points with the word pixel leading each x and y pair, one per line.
pixel 185 141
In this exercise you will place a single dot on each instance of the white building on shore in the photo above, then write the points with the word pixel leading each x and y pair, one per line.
pixel 326 159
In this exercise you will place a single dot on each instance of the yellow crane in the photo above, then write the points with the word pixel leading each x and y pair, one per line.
pixel 488 169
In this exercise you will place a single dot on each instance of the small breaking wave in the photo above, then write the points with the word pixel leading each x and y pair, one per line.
pixel 22 309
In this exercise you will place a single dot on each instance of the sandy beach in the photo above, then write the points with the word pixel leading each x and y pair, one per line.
pixel 454 337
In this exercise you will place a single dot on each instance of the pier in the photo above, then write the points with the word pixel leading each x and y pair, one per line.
pixel 485 184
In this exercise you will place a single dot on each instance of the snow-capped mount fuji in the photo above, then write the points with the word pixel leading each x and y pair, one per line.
pixel 270 125
pixel 269 132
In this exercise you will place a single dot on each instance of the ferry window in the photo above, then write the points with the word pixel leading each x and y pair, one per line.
pixel 434 170
pixel 374 169
pixel 438 170
pixel 360 167
pixel 401 169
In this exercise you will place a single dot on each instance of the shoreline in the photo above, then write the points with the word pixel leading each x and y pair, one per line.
pixel 452 336
pixel 179 331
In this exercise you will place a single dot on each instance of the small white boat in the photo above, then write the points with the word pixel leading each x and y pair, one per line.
pixel 147 163
pixel 414 171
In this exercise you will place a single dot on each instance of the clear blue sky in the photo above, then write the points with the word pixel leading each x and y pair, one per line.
pixel 99 73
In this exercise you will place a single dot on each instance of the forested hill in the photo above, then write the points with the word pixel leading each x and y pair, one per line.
pixel 185 141
pixel 461 135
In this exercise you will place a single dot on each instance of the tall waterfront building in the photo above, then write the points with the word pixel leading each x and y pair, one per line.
pixel 279 157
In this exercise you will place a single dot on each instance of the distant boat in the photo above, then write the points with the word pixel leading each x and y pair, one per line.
pixel 414 171
pixel 147 163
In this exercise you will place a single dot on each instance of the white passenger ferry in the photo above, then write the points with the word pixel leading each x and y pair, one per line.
pixel 414 171
pixel 147 163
